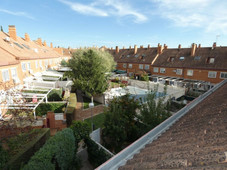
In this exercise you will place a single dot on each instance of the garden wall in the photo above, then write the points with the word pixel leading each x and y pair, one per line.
pixel 86 113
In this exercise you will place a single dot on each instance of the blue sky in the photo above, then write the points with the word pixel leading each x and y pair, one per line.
pixel 82 23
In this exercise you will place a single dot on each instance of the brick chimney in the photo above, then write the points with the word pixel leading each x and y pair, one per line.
pixel 214 45
pixel 51 45
pixel 130 47
pixel 149 46
pixel 123 47
pixel 165 47
pixel 13 32
pixel 193 49
pixel 44 43
pixel 135 49
pixel 141 46
pixel 199 46
pixel 179 46
pixel 159 48
pixel 117 50
pixel 26 37
pixel 39 41
pixel 111 48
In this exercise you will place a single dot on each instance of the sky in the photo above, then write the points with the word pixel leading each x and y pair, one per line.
pixel 110 23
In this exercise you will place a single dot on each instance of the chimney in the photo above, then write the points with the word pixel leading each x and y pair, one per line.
pixel 117 50
pixel 13 32
pixel 179 46
pixel 165 47
pixel 148 46
pixel 130 47
pixel 39 41
pixel 135 49
pixel 111 48
pixel 26 37
pixel 44 43
pixel 193 49
pixel 159 48
pixel 123 47
pixel 141 46
pixel 199 46
pixel 214 45
pixel 51 45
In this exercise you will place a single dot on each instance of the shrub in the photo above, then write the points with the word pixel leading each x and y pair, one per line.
pixel 144 77
pixel 3 156
pixel 64 63
pixel 55 95
pixel 43 108
pixel 57 153
pixel 96 155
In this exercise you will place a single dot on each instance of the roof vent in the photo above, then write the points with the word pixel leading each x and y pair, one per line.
pixel 7 39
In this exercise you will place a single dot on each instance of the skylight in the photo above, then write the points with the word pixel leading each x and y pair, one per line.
pixel 26 46
pixel 18 45
pixel 136 55
pixel 197 57
pixel 182 58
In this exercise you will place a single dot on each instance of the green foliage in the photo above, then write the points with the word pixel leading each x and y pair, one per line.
pixel 64 63
pixel 120 122
pixel 43 108
pixel 86 102
pixel 80 130
pixel 57 153
pixel 154 112
pixel 55 95
pixel 144 77
pixel 70 108
pixel 3 156
pixel 88 70
pixel 96 155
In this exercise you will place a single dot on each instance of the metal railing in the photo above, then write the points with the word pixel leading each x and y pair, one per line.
pixel 126 154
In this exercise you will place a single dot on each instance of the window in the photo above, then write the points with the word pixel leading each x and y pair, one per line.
pixel 147 67
pixel 50 62
pixel 212 74
pixel 223 75
pixel 46 63
pixel 197 57
pixel 5 75
pixel 210 60
pixel 171 59
pixel 190 72
pixel 14 73
pixel 155 69
pixel 23 65
pixel 141 66
pixel 182 58
pixel 124 65
pixel 179 71
pixel 40 63
pixel 162 70
pixel 129 65
pixel 130 74
pixel 36 64
pixel 29 66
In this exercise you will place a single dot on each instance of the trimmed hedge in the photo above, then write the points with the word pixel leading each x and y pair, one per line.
pixel 55 95
pixel 24 155
pixel 57 153
pixel 43 108
pixel 70 108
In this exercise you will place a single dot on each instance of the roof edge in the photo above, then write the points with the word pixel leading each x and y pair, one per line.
pixel 122 157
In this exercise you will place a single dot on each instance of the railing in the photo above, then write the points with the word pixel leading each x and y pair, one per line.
pixel 126 154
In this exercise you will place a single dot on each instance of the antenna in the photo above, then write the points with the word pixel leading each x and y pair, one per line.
pixel 217 36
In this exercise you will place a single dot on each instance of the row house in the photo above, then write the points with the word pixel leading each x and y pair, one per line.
pixel 21 58
pixel 208 64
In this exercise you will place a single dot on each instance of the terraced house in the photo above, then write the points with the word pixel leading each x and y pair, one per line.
pixel 201 64
pixel 22 58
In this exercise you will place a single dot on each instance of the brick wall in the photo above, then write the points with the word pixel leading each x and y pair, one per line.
pixel 86 113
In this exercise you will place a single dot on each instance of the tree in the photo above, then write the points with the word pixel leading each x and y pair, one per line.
pixel 64 63
pixel 89 68
pixel 120 124
pixel 2 29
pixel 153 112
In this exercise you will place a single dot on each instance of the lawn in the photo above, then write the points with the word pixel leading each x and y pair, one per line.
pixel 98 121
pixel 87 101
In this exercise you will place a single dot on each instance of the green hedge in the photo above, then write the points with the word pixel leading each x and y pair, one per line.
pixel 55 95
pixel 58 153
pixel 70 108
pixel 96 155
pixel 28 150
pixel 43 108
pixel 3 157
